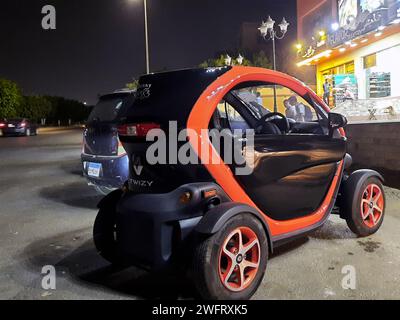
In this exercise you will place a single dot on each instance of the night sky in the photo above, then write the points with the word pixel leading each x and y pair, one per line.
pixel 99 44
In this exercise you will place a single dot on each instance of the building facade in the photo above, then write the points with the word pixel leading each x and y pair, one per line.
pixel 353 46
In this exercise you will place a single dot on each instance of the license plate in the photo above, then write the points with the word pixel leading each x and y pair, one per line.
pixel 11 126
pixel 94 169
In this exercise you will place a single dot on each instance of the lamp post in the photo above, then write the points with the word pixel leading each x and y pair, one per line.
pixel 268 33
pixel 146 34
pixel 146 31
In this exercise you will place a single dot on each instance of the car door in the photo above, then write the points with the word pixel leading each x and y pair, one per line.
pixel 291 172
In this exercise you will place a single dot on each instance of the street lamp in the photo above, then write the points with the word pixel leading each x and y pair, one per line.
pixel 146 35
pixel 268 33
pixel 229 61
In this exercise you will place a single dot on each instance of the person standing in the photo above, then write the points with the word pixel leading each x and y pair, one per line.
pixel 327 91
pixel 290 110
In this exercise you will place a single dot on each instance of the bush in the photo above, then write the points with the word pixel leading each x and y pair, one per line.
pixel 64 109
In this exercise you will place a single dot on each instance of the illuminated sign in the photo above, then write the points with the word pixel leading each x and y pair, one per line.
pixel 358 18
pixel 348 11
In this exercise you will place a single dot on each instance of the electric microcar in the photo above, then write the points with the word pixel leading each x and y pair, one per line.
pixel 220 220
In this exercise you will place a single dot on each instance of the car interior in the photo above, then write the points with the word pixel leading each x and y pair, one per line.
pixel 251 107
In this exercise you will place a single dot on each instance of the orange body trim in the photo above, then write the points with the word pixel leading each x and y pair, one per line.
pixel 200 118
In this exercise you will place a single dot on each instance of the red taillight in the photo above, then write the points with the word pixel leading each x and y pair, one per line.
pixel 23 124
pixel 2 125
pixel 137 130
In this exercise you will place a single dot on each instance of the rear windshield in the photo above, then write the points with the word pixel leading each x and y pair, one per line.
pixel 110 108
pixel 170 96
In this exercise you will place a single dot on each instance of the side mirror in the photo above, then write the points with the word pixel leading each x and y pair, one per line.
pixel 336 121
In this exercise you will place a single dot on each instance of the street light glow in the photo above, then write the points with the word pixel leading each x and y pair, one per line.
pixel 284 25
pixel 270 23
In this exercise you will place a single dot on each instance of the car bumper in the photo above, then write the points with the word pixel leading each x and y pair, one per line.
pixel 114 170
pixel 13 131
pixel 155 231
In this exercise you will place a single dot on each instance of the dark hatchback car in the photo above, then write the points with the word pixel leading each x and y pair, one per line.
pixel 104 160
pixel 18 127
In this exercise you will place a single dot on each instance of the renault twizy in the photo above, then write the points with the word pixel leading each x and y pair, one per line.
pixel 207 218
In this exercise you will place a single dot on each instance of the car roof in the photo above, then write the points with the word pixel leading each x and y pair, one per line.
pixel 117 93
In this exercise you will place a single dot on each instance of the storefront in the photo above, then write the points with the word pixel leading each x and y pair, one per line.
pixel 357 57
pixel 369 72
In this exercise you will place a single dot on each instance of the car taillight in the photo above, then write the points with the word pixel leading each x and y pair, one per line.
pixel 2 125
pixel 121 150
pixel 23 124
pixel 137 130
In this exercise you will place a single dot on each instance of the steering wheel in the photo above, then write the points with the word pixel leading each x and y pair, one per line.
pixel 282 120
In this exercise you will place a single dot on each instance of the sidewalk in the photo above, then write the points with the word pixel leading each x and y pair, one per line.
pixel 62 128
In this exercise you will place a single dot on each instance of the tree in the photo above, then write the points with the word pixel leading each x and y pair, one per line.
pixel 65 109
pixel 132 85
pixel 214 62
pixel 10 98
pixel 34 108
pixel 258 60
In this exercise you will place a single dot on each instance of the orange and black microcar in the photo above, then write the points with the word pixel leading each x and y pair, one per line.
pixel 206 218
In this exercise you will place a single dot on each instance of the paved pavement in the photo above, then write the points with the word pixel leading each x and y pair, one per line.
pixel 47 212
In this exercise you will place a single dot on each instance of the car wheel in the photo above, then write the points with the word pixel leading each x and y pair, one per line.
pixel 28 132
pixel 230 264
pixel 366 212
pixel 104 234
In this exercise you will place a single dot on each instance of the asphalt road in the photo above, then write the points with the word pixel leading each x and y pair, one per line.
pixel 47 212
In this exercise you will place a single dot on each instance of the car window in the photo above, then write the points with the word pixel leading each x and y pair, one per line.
pixel 231 116
pixel 107 109
pixel 264 99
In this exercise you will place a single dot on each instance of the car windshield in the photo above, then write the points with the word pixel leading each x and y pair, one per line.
pixel 108 109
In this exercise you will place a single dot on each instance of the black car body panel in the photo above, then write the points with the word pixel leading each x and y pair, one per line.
pixel 289 166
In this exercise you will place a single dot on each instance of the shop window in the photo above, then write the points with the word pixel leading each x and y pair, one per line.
pixel 379 85
pixel 370 61
pixel 349 68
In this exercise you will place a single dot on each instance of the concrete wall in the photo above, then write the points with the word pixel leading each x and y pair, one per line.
pixel 375 145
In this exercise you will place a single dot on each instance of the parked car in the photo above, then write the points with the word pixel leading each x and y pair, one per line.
pixel 18 127
pixel 104 160
pixel 211 218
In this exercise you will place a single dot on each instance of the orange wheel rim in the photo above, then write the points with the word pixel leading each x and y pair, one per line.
pixel 372 205
pixel 239 259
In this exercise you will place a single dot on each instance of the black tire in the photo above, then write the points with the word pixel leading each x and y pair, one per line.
pixel 104 234
pixel 207 255
pixel 355 207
